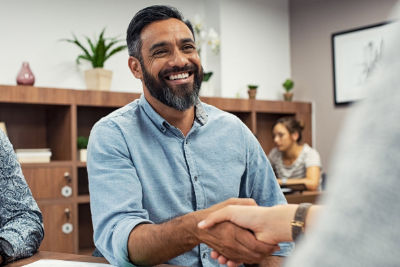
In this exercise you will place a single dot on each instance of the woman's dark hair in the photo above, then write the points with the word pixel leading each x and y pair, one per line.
pixel 143 18
pixel 293 125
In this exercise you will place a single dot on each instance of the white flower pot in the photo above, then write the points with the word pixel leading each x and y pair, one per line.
pixel 98 79
pixel 82 155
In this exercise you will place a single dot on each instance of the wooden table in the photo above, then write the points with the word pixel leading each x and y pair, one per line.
pixel 41 255
pixel 305 196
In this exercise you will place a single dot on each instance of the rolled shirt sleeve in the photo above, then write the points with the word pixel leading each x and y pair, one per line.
pixel 115 193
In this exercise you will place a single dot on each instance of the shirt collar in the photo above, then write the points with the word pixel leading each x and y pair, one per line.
pixel 200 113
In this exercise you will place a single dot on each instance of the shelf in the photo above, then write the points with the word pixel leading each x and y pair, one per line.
pixel 39 117
pixel 54 163
pixel 86 251
pixel 81 164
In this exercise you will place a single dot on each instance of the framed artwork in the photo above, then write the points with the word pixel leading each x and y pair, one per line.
pixel 355 55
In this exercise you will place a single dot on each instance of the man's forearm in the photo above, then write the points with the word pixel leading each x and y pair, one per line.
pixel 151 244
pixel 272 261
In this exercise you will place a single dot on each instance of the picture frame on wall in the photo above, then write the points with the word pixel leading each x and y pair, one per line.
pixel 356 53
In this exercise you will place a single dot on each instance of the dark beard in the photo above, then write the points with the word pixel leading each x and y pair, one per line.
pixel 183 97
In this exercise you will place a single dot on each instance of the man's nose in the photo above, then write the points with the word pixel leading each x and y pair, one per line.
pixel 178 58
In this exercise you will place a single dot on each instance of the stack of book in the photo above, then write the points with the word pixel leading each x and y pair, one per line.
pixel 35 155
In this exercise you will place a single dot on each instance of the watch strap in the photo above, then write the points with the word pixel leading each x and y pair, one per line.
pixel 299 220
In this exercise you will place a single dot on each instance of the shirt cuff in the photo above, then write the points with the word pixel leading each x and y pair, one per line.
pixel 120 240
pixel 286 249
pixel 6 251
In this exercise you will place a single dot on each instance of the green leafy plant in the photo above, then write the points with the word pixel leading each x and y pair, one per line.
pixel 252 86
pixel 100 49
pixel 288 85
pixel 82 142
pixel 207 76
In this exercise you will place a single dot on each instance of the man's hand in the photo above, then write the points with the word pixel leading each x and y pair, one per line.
pixel 236 244
pixel 231 241
pixel 151 244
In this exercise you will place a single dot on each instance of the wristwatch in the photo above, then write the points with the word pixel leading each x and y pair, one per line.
pixel 284 180
pixel 299 220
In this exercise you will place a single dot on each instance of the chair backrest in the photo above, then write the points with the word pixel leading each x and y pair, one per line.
pixel 323 181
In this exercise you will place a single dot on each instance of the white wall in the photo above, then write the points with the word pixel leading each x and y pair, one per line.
pixel 255 47
pixel 311 26
pixel 254 38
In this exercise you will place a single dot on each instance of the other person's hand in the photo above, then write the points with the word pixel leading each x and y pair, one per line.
pixel 269 224
pixel 232 241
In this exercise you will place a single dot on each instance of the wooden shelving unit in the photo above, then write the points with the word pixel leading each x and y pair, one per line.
pixel 53 118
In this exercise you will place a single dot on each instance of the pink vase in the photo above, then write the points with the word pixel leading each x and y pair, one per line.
pixel 25 75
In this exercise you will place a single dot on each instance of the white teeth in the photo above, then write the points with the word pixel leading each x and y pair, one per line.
pixel 179 76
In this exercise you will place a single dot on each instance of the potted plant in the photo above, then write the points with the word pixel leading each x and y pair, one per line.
pixel 252 90
pixel 288 86
pixel 82 147
pixel 99 51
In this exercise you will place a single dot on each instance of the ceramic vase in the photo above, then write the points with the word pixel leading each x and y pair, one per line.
pixel 25 75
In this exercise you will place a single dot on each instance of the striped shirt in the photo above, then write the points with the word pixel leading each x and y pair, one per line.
pixel 308 157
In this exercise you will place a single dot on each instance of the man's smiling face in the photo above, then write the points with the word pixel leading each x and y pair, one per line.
pixel 171 67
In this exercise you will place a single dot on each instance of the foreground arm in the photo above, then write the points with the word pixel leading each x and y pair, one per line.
pixel 270 225
pixel 151 244
pixel 21 228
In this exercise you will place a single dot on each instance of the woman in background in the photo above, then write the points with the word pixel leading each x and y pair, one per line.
pixel 293 162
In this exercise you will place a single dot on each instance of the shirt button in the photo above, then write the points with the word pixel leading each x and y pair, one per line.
pixel 195 178
pixel 204 255
pixel 186 141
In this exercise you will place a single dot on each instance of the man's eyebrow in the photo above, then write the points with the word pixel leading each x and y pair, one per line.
pixel 187 40
pixel 161 44
pixel 157 45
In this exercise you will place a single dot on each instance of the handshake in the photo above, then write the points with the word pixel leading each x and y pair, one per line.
pixel 239 231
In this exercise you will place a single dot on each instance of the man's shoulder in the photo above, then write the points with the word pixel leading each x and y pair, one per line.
pixel 215 113
pixel 121 115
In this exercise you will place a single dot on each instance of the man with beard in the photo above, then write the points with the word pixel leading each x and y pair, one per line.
pixel 162 163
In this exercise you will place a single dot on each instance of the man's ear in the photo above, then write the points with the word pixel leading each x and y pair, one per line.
pixel 135 67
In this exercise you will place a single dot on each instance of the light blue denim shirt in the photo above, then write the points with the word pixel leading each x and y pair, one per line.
pixel 142 169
